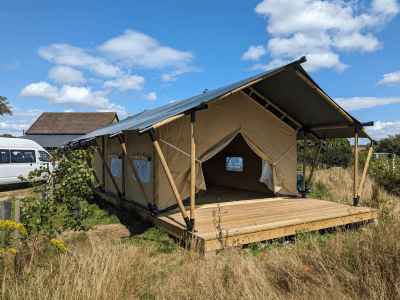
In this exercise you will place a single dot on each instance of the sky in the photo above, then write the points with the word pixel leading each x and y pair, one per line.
pixel 127 56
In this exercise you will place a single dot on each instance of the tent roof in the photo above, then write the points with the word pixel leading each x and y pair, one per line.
pixel 289 88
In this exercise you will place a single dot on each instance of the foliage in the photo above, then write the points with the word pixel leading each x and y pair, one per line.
pixel 62 204
pixel 59 245
pixel 386 172
pixel 390 144
pixel 4 106
pixel 334 152
pixel 319 191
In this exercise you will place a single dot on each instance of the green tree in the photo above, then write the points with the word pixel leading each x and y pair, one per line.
pixel 334 152
pixel 4 106
pixel 390 144
pixel 64 191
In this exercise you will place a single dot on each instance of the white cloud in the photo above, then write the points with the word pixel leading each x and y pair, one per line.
pixel 65 74
pixel 173 75
pixel 390 78
pixel 322 29
pixel 137 49
pixel 152 96
pixel 126 83
pixel 357 103
pixel 382 129
pixel 65 54
pixel 40 89
pixel 386 7
pixel 254 53
pixel 71 95
pixel 357 42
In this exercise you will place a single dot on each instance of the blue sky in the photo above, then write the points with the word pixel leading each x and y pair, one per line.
pixel 129 55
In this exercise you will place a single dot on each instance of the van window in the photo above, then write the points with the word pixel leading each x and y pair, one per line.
pixel 44 156
pixel 4 156
pixel 23 156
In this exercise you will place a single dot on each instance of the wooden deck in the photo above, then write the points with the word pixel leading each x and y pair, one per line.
pixel 241 222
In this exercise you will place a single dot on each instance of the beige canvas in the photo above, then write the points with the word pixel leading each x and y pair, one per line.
pixel 270 138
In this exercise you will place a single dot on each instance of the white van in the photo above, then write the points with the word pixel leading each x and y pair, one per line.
pixel 18 157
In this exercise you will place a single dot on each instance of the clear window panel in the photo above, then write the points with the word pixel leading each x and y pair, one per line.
pixel 234 163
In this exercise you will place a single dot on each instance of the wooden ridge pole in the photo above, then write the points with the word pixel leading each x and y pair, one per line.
pixel 122 140
pixel 107 168
pixel 170 179
pixel 192 169
pixel 355 169
pixel 365 171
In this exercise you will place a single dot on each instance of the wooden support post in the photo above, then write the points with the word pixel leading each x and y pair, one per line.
pixel 17 210
pixel 304 184
pixel 122 140
pixel 171 181
pixel 103 172
pixel 107 168
pixel 355 169
pixel 192 169
pixel 365 171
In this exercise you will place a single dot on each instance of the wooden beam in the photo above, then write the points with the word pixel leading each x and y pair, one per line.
pixel 365 171
pixel 122 140
pixel 166 121
pixel 355 169
pixel 107 168
pixel 103 172
pixel 171 180
pixel 192 168
pixel 304 185
pixel 269 102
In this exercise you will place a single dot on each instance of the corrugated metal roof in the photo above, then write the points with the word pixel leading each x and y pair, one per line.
pixel 283 86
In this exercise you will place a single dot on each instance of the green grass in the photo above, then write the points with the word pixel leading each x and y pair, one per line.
pixel 155 238
pixel 98 216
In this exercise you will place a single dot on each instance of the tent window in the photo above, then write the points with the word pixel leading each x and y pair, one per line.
pixel 116 166
pixel 143 168
pixel 234 163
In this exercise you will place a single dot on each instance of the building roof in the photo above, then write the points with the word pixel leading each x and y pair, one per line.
pixel 51 140
pixel 70 122
pixel 288 88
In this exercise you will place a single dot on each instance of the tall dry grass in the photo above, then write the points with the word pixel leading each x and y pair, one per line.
pixel 345 265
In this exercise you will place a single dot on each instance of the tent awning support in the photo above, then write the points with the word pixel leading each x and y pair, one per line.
pixel 171 180
pixel 364 174
pixel 356 198
pixel 192 169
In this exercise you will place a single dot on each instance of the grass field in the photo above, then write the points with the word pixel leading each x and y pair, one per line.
pixel 106 263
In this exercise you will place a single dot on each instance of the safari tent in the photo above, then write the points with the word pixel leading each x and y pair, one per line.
pixel 229 156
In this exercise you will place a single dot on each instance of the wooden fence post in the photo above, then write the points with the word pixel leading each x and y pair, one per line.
pixel 17 211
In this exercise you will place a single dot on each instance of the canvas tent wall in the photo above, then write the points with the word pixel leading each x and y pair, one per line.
pixel 270 138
